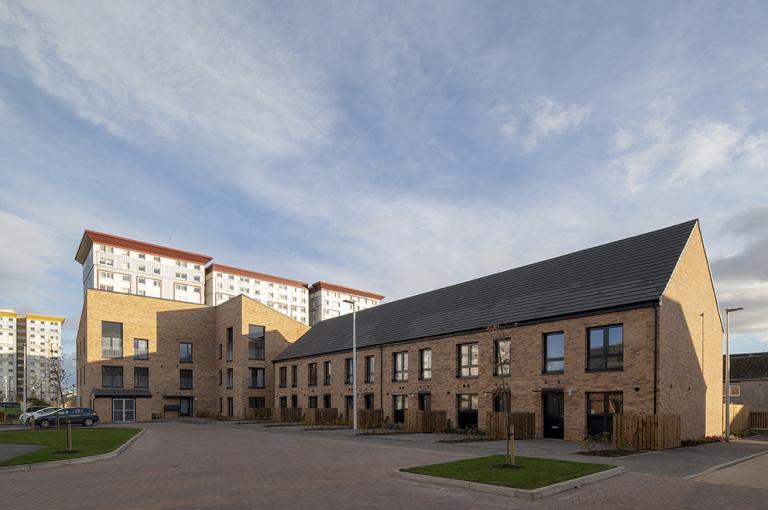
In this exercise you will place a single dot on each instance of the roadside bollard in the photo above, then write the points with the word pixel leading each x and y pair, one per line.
pixel 69 436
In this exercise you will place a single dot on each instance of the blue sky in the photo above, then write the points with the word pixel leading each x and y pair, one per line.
pixel 395 146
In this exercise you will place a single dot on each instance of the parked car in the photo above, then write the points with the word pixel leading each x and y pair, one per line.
pixel 28 412
pixel 74 415
pixel 36 414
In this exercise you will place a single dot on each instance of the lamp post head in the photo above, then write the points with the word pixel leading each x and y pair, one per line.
pixel 736 309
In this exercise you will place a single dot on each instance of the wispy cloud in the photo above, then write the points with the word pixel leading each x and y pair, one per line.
pixel 544 118
pixel 673 149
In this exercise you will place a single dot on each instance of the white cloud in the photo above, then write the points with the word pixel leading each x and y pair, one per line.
pixel 184 73
pixel 544 118
pixel 754 151
pixel 671 150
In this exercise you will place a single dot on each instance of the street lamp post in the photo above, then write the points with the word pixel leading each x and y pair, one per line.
pixel 354 364
pixel 728 372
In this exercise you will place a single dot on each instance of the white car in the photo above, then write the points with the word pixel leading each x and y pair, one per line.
pixel 34 413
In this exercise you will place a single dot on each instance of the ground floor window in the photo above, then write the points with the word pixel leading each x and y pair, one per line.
pixel 327 401
pixel 221 405
pixel 369 401
pixel 256 402
pixel 230 407
pixel 600 410
pixel 123 410
pixel 467 410
pixel 399 407
pixel 425 401
pixel 312 402
pixel 294 401
pixel 283 402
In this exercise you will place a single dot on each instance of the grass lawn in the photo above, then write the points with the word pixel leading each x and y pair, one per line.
pixel 533 474
pixel 86 441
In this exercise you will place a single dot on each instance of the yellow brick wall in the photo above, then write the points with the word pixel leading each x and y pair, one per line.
pixel 165 323
pixel 690 379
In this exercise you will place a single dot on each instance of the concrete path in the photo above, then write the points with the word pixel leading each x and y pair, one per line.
pixel 679 462
pixel 752 473
pixel 208 466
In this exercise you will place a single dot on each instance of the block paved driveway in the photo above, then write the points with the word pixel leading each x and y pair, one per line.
pixel 177 465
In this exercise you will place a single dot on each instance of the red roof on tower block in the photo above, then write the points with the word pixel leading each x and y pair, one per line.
pixel 91 236
pixel 253 274
pixel 347 290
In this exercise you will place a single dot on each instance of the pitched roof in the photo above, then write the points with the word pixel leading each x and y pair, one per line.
pixel 632 271
pixel 748 366
pixel 90 237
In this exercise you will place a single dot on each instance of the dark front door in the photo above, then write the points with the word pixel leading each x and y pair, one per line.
pixel 185 406
pixel 349 402
pixel 467 411
pixel 553 415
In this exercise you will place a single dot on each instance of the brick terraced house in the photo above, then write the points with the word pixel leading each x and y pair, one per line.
pixel 631 326
pixel 142 357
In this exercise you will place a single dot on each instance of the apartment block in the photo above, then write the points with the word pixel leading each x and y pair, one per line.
pixel 140 357
pixel 289 297
pixel 127 266
pixel 632 326
pixel 328 301
pixel 40 336
pixel 8 320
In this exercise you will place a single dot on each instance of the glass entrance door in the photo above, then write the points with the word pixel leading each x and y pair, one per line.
pixel 123 410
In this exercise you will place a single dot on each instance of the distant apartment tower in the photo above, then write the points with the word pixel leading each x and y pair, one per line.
pixel 127 266
pixel 327 301
pixel 289 297
pixel 40 335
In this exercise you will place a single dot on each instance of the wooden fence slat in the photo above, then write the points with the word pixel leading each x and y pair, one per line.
pixel 289 415
pixel 646 432
pixel 425 421
pixel 496 425
pixel 315 416
pixel 758 420
pixel 370 418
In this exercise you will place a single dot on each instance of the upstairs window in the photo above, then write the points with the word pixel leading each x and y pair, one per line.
pixel 111 339
pixel 230 378
pixel 503 357
pixel 425 364
pixel 348 371
pixel 140 348
pixel 140 377
pixel 312 374
pixel 327 373
pixel 258 379
pixel 185 352
pixel 230 342
pixel 400 366
pixel 185 379
pixel 294 376
pixel 469 360
pixel 606 348
pixel 256 342
pixel 369 369
pixel 554 352
pixel 283 377
pixel 111 377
